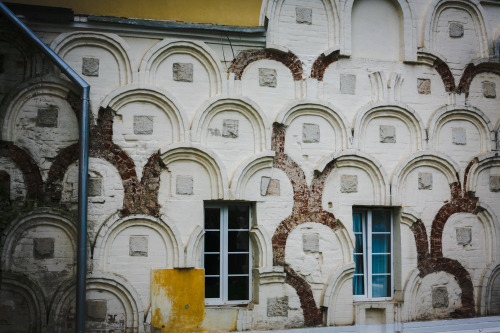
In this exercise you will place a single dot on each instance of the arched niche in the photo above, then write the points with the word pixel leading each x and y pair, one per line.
pixel 115 303
pixel 396 41
pixel 42 246
pixel 39 118
pixel 102 59
pixel 146 119
pixel 234 128
pixel 195 165
pixel 317 21
pixel 22 305
pixel 422 182
pixel 13 185
pixel 462 132
pixel 357 179
pixel 338 292
pixel 190 70
pixel 482 179
pixel 446 32
pixel 381 128
pixel 247 169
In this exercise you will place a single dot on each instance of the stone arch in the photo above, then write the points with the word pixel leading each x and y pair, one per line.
pixel 273 11
pixel 198 50
pixel 247 169
pixel 42 86
pixel 464 113
pixel 490 284
pixel 29 54
pixel 36 218
pixel 408 24
pixel 409 309
pixel 112 43
pixel 472 7
pixel 394 110
pixel 334 285
pixel 169 235
pixel 28 291
pixel 211 163
pixel 325 110
pixel 194 246
pixel 436 160
pixel 262 247
pixel 158 97
pixel 112 284
pixel 243 105
pixel 367 163
pixel 483 162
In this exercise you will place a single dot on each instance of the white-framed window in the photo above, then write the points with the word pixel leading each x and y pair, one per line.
pixel 227 253
pixel 373 254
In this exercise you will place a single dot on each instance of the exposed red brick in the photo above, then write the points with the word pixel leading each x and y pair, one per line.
pixel 471 71
pixel 321 64
pixel 29 168
pixel 245 58
pixel 446 75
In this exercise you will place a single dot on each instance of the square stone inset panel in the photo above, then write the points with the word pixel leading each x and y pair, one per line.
pixel 97 310
pixel 277 306
pixel 439 297
pixel 90 66
pixel 230 128
pixel 387 134
pixel 347 84
pixel 138 246
pixel 268 77
pixel 348 183
pixel 303 15
pixel 310 242
pixel 464 236
pixel 95 187
pixel 489 89
pixel 310 133
pixel 458 136
pixel 143 125
pixel 214 132
pixel 424 86
pixel 456 30
pixel 47 117
pixel 495 183
pixel 43 248
pixel 182 72
pixel 274 187
pixel 184 185
pixel 425 181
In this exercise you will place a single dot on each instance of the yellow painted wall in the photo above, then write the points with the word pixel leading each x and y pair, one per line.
pixel 178 299
pixel 226 12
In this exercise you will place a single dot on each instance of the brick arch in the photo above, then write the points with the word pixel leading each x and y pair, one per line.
pixel 245 58
pixel 29 168
pixel 321 64
pixel 472 70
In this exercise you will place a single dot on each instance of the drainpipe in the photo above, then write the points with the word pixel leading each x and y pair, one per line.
pixel 83 163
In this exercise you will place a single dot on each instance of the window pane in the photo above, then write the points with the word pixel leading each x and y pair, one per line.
pixel 212 287
pixel 381 286
pixel 358 260
pixel 358 287
pixel 238 264
pixel 212 264
pixel 381 220
pixel 237 241
pixel 237 288
pixel 356 219
pixel 381 243
pixel 212 218
pixel 359 243
pixel 212 241
pixel 238 217
pixel 381 263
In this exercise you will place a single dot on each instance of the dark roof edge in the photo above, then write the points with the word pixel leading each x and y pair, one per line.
pixel 176 25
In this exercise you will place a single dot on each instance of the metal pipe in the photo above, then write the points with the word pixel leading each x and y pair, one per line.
pixel 83 163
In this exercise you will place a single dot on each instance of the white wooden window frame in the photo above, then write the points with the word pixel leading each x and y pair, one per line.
pixel 366 222
pixel 223 274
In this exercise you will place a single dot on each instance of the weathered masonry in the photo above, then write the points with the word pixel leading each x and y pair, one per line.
pixel 335 163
